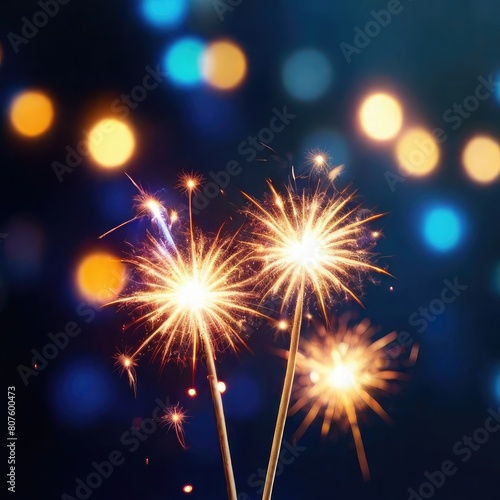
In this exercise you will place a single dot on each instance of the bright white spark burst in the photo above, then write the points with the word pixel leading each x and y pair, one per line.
pixel 312 238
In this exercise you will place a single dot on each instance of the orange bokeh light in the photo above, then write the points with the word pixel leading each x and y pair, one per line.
pixel 31 113
pixel 224 65
pixel 100 277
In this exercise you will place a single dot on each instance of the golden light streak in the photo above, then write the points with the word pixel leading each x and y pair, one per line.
pixel 175 417
pixel 341 372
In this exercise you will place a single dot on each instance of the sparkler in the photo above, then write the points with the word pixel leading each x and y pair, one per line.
pixel 340 372
pixel 194 297
pixel 175 417
pixel 307 241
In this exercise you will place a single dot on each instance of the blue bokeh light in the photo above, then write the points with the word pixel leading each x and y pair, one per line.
pixel 81 392
pixel 442 228
pixel 307 74
pixel 164 13
pixel 183 61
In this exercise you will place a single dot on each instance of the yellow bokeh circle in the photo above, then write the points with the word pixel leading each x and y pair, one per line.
pixel 417 152
pixel 111 143
pixel 381 116
pixel 481 159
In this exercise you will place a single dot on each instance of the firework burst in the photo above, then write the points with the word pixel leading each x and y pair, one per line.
pixel 341 372
pixel 308 241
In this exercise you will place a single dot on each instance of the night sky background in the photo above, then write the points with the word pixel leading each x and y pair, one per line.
pixel 76 410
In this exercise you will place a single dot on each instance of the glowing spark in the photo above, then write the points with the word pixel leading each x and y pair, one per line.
pixel 189 182
pixel 175 417
pixel 126 364
pixel 340 373
pixel 222 387
pixel 319 160
pixel 191 392
pixel 187 489
pixel 283 325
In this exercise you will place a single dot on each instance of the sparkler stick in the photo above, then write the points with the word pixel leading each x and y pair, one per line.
pixel 285 395
pixel 220 420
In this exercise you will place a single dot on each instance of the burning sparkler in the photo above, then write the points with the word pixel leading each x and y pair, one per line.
pixel 307 241
pixel 193 296
pixel 340 373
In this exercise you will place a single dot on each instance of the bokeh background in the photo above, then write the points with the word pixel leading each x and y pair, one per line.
pixel 403 94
